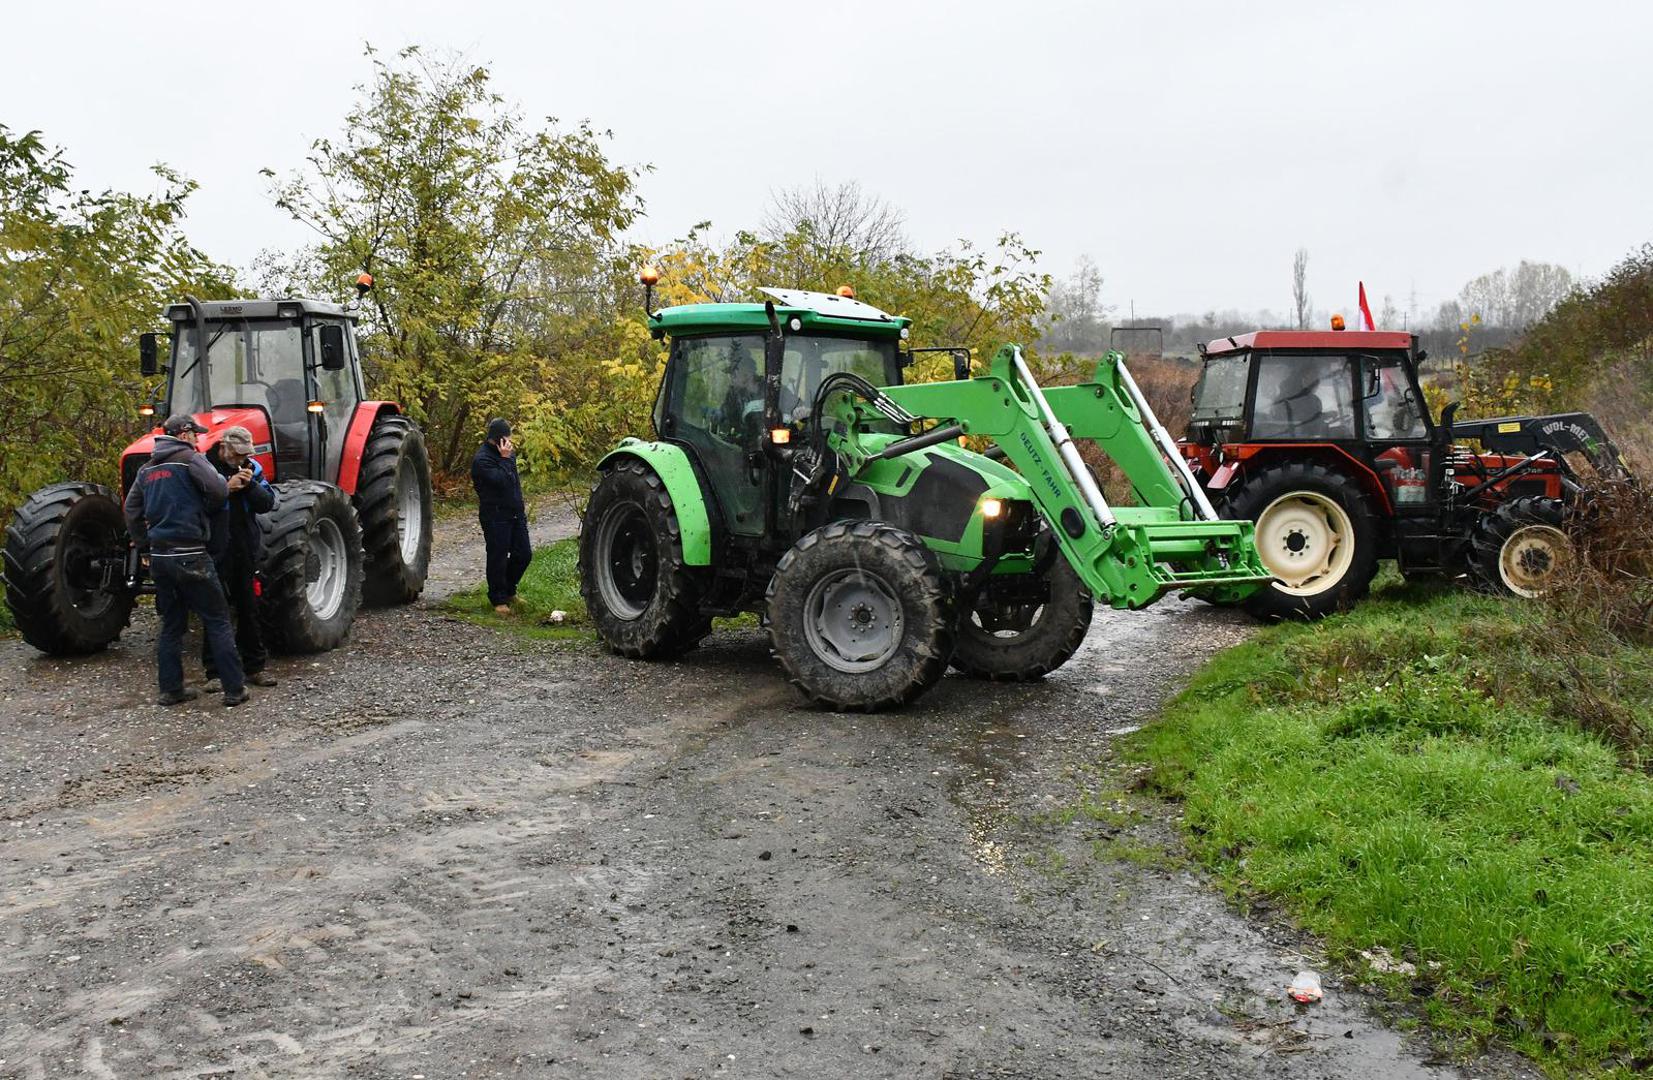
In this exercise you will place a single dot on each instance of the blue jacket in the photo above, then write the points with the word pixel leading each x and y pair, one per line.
pixel 498 488
pixel 173 498
pixel 236 525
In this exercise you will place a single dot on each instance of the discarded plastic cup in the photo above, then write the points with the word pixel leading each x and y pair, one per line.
pixel 1305 989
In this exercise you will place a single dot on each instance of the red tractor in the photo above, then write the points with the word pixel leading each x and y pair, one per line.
pixel 352 519
pixel 1323 439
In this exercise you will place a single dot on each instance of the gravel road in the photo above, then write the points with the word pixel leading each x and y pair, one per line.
pixel 439 853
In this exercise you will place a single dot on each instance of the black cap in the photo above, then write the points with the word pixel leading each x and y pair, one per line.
pixel 499 428
pixel 182 422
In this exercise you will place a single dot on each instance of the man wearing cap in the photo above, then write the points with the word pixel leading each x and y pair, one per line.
pixel 168 513
pixel 236 545
pixel 504 518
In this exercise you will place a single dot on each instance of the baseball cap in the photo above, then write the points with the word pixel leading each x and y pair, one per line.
pixel 238 439
pixel 499 428
pixel 179 423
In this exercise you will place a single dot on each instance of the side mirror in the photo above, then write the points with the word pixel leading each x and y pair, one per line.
pixel 332 347
pixel 149 355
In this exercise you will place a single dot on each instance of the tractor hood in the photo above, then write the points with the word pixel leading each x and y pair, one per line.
pixel 254 419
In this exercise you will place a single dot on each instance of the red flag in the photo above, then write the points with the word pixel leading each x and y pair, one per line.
pixel 1365 308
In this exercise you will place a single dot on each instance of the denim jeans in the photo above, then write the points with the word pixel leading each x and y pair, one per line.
pixel 235 570
pixel 186 583
pixel 509 550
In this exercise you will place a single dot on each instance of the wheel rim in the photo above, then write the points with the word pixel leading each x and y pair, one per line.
pixel 410 513
pixel 852 620
pixel 81 557
pixel 1004 622
pixel 1306 541
pixel 628 561
pixel 329 569
pixel 1529 558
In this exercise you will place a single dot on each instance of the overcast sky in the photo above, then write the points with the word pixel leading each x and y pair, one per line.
pixel 1189 148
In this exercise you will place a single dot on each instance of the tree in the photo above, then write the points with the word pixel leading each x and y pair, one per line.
pixel 1300 300
pixel 817 231
pixel 1075 319
pixel 483 233
pixel 82 274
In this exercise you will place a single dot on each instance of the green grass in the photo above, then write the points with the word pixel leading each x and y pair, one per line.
pixel 1418 775
pixel 552 583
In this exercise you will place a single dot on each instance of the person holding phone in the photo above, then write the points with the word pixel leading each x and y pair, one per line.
pixel 503 517
pixel 236 546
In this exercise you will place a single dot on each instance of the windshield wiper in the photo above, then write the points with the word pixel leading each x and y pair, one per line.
pixel 185 373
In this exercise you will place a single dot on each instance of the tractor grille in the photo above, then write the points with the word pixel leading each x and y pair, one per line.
pixel 1021 525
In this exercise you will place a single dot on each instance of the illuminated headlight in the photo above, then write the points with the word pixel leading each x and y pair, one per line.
pixel 992 508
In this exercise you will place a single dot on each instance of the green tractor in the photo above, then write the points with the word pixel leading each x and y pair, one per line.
pixel 794 475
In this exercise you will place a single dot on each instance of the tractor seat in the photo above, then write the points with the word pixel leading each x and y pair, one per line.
pixel 290 425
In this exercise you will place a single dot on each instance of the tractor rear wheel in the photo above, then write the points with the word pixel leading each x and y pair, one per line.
pixel 58 545
pixel 1520 546
pixel 642 597
pixel 393 501
pixel 311 573
pixel 860 616
pixel 1008 637
pixel 1314 534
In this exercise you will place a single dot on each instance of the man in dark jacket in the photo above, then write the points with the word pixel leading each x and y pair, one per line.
pixel 235 546
pixel 504 519
pixel 168 513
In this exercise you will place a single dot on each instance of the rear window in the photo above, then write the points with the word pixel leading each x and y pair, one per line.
pixel 1220 393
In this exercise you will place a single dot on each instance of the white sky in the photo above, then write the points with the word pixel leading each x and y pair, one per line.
pixel 1189 148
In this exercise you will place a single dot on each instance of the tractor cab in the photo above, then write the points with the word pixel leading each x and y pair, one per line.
pixel 1351 397
pixel 287 368
pixel 741 381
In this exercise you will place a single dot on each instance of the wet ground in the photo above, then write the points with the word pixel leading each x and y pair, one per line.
pixel 438 853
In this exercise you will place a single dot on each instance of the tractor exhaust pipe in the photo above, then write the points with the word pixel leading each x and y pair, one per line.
pixel 1069 453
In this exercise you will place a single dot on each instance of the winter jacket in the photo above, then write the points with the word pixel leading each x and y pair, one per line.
pixel 173 498
pixel 498 489
pixel 235 527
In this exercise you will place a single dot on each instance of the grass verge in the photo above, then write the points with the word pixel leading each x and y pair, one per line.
pixel 551 584
pixel 1405 776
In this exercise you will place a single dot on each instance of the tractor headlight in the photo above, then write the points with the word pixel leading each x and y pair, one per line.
pixel 992 508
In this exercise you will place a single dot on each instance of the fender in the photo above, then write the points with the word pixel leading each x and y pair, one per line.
pixel 671 464
pixel 355 440
pixel 1242 458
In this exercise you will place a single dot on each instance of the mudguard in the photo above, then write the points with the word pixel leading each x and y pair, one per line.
pixel 672 465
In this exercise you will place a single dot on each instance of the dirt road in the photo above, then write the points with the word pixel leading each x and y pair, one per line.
pixel 439 853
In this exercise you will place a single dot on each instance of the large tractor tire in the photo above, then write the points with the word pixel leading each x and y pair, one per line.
pixel 642 597
pixel 57 546
pixel 393 502
pixel 1010 638
pixel 312 569
pixel 1519 547
pixel 1315 534
pixel 860 616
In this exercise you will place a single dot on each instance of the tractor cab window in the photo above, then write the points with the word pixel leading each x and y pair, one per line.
pixel 811 358
pixel 248 363
pixel 1303 396
pixel 1390 402
pixel 714 405
pixel 1220 393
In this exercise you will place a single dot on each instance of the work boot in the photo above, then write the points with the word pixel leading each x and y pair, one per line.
pixel 502 609
pixel 177 697
pixel 232 700
pixel 259 678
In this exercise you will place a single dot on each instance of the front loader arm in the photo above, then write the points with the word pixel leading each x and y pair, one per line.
pixel 1127 556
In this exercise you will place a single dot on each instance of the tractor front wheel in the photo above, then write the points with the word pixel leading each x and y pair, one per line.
pixel 860 616
pixel 642 597
pixel 1520 547
pixel 393 501
pixel 311 574
pixel 1012 635
pixel 65 552
pixel 1314 534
